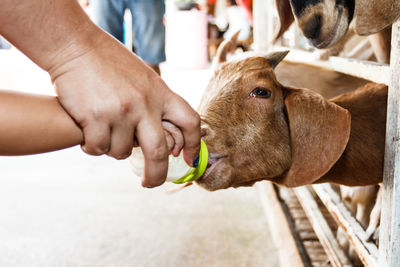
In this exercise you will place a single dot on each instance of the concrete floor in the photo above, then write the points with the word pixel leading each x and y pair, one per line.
pixel 69 209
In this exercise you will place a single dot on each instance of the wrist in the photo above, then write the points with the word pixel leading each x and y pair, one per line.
pixel 83 40
pixel 49 32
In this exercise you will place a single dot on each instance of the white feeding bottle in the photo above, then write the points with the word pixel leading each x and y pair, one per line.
pixel 178 171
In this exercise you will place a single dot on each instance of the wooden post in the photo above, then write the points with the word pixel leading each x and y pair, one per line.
pixel 367 251
pixel 262 31
pixel 336 255
pixel 389 239
pixel 280 229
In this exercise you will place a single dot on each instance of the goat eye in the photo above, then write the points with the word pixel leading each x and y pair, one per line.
pixel 261 92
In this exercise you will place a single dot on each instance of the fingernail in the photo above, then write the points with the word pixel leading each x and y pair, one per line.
pixel 196 162
pixel 147 185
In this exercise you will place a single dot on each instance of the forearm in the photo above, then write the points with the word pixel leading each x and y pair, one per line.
pixel 33 124
pixel 50 32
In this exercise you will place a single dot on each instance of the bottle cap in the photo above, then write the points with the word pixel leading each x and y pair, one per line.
pixel 198 171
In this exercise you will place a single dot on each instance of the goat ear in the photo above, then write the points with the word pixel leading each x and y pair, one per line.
pixel 275 58
pixel 226 47
pixel 319 132
pixel 286 18
pixel 369 21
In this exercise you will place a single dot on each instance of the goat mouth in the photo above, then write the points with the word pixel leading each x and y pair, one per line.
pixel 213 161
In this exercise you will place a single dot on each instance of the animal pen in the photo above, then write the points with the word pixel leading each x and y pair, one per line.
pixel 303 220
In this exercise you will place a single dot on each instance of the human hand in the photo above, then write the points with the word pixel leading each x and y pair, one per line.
pixel 84 3
pixel 118 101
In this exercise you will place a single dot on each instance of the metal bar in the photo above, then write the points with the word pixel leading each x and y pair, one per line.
pixel 336 255
pixel 367 251
pixel 389 239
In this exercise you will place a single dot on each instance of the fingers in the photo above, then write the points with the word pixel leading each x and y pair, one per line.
pixel 170 141
pixel 174 137
pixel 150 135
pixel 97 138
pixel 179 112
pixel 122 139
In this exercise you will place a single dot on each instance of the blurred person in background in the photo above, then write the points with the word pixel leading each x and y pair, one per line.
pixel 147 24
pixel 235 18
pixel 247 5
pixel 4 44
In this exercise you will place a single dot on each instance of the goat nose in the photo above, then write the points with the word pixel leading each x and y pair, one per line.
pixel 313 27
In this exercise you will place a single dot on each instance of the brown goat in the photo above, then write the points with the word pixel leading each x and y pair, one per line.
pixel 258 129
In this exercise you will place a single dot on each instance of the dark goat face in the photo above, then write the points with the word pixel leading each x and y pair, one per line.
pixel 323 22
